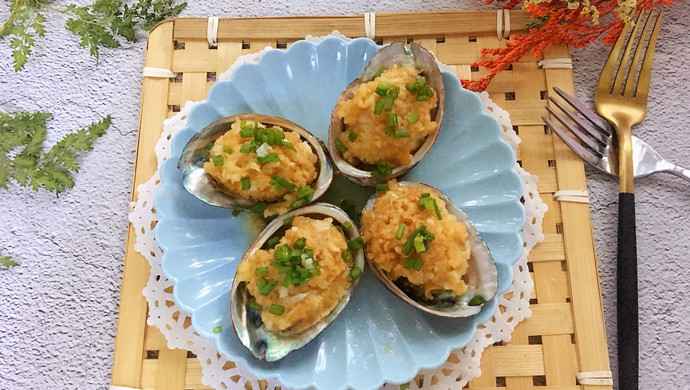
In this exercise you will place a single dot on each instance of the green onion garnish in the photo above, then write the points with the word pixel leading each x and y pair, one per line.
pixel 276 309
pixel 347 225
pixel 288 144
pixel 265 287
pixel 259 208
pixel 247 132
pixel 235 213
pixel 393 119
pixel 346 255
pixel 305 193
pixel 255 306
pixel 381 187
pixel 405 386
pixel 288 221
pixel 418 243
pixel 428 204
pixel 402 133
pixel 217 160
pixel 355 272
pixel 355 244
pixel 378 107
pixel 476 300
pixel 282 253
pixel 340 146
pixel 218 329
pixel 227 149
pixel 383 89
pixel 274 184
pixel 351 135
pixel 261 271
pixel 284 183
pixel 380 71
pixel 245 183
pixel 412 118
pixel 382 170
pixel 248 147
pixel 399 233
pixel 300 243
pixel 272 242
pixel 269 158
pixel 387 102
pixel 436 209
pixel 298 203
pixel 414 263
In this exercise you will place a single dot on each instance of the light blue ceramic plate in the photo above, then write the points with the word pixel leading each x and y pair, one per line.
pixel 378 338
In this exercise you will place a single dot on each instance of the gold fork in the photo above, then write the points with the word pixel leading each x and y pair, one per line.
pixel 624 105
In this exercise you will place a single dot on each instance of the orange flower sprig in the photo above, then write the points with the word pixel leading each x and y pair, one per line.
pixel 559 22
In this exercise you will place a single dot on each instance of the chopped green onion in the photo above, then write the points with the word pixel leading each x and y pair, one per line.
pixel 351 135
pixel 298 203
pixel 436 209
pixel 347 225
pixel 405 386
pixel 272 242
pixel 382 170
pixel 274 184
pixel 412 118
pixel 288 221
pixel 227 149
pixel 276 309
pixel 288 144
pixel 207 148
pixel 392 119
pixel 284 183
pixel 418 243
pixel 387 102
pixel 265 287
pixel 380 71
pixel 384 88
pixel 305 192
pixel 269 158
pixel 300 243
pixel 282 253
pixel 346 255
pixel 246 183
pixel 402 133
pixel 381 187
pixel 422 98
pixel 476 300
pixel 407 248
pixel 259 208
pixel 218 329
pixel 255 306
pixel 378 107
pixel 355 272
pixel 261 270
pixel 399 233
pixel 428 204
pixel 340 146
pixel 355 244
pixel 414 263
pixel 247 132
pixel 217 160
pixel 248 147
pixel 235 213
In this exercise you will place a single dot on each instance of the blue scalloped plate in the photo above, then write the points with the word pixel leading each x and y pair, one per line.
pixel 378 338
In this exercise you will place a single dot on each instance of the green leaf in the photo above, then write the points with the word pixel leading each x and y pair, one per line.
pixel 7 262
pixel 22 134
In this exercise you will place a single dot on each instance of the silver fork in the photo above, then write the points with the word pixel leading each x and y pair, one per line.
pixel 593 140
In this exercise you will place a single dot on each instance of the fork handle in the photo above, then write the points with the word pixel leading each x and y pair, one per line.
pixel 628 327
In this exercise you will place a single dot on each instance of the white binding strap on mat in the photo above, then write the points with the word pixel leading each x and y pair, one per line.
pixel 370 25
pixel 596 378
pixel 560 63
pixel 578 196
pixel 502 24
pixel 212 31
pixel 113 387
pixel 158 73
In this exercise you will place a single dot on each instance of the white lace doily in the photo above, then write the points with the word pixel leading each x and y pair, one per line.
pixel 217 373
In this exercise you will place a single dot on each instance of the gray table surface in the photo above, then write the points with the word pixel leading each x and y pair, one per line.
pixel 58 309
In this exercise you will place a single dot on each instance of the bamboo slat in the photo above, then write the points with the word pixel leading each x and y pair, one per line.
pixel 564 335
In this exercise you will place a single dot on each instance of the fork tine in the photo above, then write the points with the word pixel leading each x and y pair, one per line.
pixel 600 124
pixel 580 120
pixel 607 73
pixel 581 151
pixel 630 83
pixel 587 140
pixel 625 60
pixel 646 70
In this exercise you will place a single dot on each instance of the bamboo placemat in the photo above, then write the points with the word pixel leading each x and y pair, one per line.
pixel 565 334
